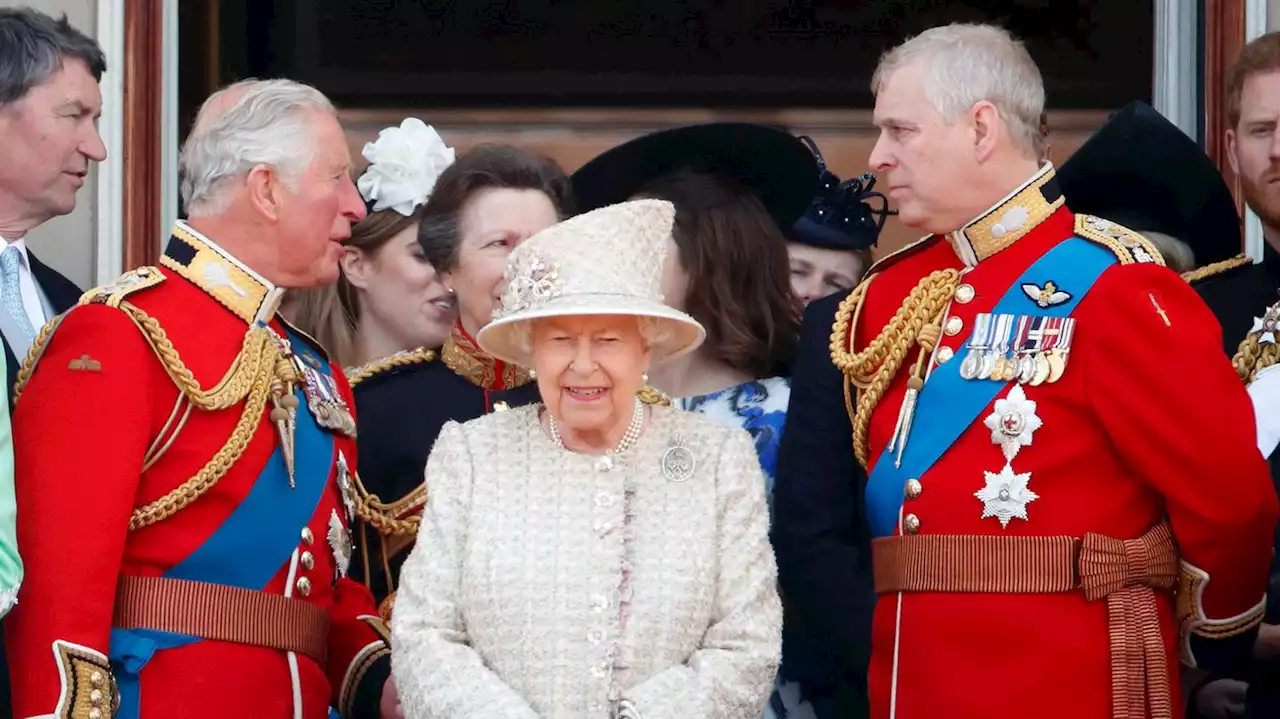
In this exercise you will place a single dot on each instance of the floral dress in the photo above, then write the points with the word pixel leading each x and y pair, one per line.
pixel 760 407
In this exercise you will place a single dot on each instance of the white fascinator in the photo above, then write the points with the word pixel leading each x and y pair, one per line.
pixel 404 164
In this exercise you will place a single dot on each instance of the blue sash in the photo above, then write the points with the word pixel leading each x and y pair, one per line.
pixel 252 545
pixel 948 404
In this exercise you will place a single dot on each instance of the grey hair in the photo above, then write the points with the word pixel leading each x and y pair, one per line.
pixel 250 123
pixel 968 64
pixel 654 331
pixel 33 46
pixel 1176 253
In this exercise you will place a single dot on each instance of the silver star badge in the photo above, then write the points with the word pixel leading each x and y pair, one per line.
pixel 1013 422
pixel 345 486
pixel 1006 495
pixel 1267 325
pixel 340 543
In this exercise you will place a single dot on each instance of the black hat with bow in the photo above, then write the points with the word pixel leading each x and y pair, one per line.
pixel 843 215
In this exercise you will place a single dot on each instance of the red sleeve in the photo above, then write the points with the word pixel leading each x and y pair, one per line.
pixel 81 430
pixel 359 643
pixel 1182 420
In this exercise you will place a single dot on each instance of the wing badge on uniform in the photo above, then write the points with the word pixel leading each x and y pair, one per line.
pixel 84 363
pixel 1047 296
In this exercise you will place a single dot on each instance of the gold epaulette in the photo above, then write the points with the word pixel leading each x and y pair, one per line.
pixel 111 294
pixel 1259 349
pixel 403 358
pixel 1128 246
pixel 1217 268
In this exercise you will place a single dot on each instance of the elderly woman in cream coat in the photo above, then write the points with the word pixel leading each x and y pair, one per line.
pixel 591 556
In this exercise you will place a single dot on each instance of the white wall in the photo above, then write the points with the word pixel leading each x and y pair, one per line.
pixel 1273 15
pixel 67 243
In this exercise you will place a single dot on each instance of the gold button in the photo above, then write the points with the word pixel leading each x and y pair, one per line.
pixel 307 560
pixel 304 586
pixel 911 524
pixel 95 696
pixel 944 354
pixel 307 537
pixel 501 406
pixel 95 713
pixel 97 679
pixel 954 325
pixel 964 294
pixel 913 488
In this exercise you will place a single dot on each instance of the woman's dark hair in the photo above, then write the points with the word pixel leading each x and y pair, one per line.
pixel 484 167
pixel 735 257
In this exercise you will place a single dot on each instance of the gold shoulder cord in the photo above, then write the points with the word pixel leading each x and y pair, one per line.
pixel 356 375
pixel 918 322
pixel 1216 268
pixel 261 362
pixel 1253 356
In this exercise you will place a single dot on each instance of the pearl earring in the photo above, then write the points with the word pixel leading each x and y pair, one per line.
pixel 645 378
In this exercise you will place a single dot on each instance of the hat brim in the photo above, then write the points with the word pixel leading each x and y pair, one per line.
pixel 501 338
pixel 772 162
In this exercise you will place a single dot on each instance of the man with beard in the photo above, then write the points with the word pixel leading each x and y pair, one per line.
pixel 1253 144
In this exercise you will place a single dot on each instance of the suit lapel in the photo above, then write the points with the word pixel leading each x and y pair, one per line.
pixel 61 292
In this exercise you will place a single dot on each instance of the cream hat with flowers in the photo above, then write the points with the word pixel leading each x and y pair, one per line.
pixel 604 262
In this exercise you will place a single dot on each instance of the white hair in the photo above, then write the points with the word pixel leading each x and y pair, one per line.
pixel 250 123
pixel 654 331
pixel 968 64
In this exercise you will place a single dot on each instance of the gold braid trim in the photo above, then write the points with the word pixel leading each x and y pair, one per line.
pixel 393 519
pixel 257 366
pixel 1216 268
pixel 916 323
pixel 34 354
pixel 1254 355
pixel 404 358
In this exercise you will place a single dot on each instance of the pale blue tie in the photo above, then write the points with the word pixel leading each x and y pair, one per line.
pixel 11 290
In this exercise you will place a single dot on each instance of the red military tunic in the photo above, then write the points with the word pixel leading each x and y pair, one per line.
pixel 1147 422
pixel 103 430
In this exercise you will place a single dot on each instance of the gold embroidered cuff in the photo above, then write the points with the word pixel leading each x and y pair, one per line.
pixel 357 672
pixel 1192 620
pixel 88 688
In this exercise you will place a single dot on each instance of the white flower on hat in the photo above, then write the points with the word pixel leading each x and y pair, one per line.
pixel 404 164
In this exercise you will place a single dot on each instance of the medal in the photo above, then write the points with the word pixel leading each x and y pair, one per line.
pixel 1000 347
pixel 1026 367
pixel 973 357
pixel 325 401
pixel 1061 350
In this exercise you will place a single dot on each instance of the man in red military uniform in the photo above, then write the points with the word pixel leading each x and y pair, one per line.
pixel 1053 437
pixel 184 457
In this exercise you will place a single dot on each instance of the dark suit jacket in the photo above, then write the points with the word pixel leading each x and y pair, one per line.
pixel 819 534
pixel 63 295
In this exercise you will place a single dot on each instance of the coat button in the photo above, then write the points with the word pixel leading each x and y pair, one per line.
pixel 501 406
pixel 944 354
pixel 911 524
pixel 304 586
pixel 965 294
pixel 953 326
pixel 308 538
pixel 913 488
pixel 308 560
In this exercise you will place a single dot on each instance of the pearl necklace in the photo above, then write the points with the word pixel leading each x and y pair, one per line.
pixel 628 438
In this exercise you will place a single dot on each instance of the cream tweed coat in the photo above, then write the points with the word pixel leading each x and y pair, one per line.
pixel 546 583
